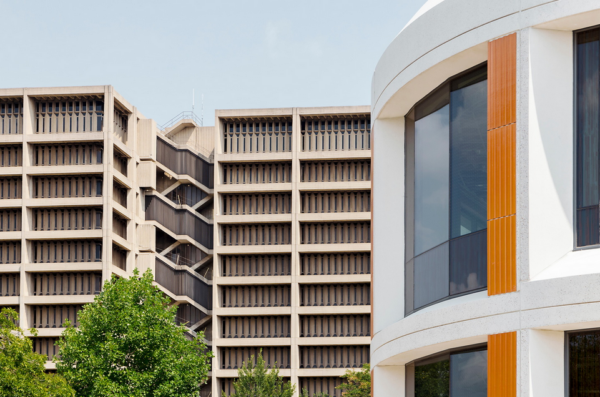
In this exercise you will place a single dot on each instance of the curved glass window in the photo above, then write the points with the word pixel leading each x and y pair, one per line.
pixel 446 185
pixel 461 373
pixel 588 141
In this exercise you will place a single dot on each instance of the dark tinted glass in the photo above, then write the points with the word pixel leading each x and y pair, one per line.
pixel 587 226
pixel 433 380
pixel 409 291
pixel 588 130
pixel 588 85
pixel 468 374
pixel 468 158
pixel 431 180
pixel 431 276
pixel 468 263
pixel 584 364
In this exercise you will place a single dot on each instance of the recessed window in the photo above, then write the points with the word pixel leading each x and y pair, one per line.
pixel 446 183
pixel 458 373
pixel 588 140
pixel 584 363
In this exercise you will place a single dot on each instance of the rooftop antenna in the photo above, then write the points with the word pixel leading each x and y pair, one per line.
pixel 202 112
pixel 193 99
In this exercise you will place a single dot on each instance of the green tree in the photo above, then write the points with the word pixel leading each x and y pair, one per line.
pixel 357 383
pixel 258 381
pixel 21 369
pixel 128 344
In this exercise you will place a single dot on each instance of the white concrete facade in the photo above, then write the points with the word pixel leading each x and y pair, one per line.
pixel 556 284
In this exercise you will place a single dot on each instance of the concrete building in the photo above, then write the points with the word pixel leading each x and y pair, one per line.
pixel 292 242
pixel 486 227
pixel 258 229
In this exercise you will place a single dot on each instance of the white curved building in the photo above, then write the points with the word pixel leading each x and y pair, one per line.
pixel 486 170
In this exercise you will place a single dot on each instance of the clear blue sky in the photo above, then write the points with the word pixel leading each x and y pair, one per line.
pixel 239 54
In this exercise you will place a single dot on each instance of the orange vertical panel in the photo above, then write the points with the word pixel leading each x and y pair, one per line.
pixel 502 365
pixel 502 81
pixel 502 196
pixel 502 179
pixel 502 255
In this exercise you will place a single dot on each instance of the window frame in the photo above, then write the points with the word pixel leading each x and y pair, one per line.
pixel 412 114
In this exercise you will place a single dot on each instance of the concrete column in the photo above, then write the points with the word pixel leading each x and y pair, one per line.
pixel 295 265
pixel 388 381
pixel 388 227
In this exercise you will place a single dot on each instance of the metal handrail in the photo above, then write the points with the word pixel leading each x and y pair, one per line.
pixel 179 117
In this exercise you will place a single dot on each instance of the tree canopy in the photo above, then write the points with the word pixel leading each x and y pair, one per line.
pixel 21 369
pixel 258 381
pixel 357 383
pixel 128 344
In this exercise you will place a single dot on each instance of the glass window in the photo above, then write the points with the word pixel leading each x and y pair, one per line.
pixel 588 125
pixel 468 162
pixel 446 187
pixel 468 374
pixel 458 373
pixel 431 276
pixel 431 180
pixel 584 363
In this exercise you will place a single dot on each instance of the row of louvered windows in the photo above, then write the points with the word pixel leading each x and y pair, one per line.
pixel 257 204
pixel 10 220
pixel 54 316
pixel 339 263
pixel 315 386
pixel 331 202
pixel 332 326
pixel 11 156
pixel 257 137
pixel 255 265
pixel 11 117
pixel 10 284
pixel 10 252
pixel 334 356
pixel 82 115
pixel 83 283
pixel 335 294
pixel 256 234
pixel 83 218
pixel 11 187
pixel 234 357
pixel 326 135
pixel 256 296
pixel 335 233
pixel 335 171
pixel 67 186
pixel 255 327
pixel 67 251
pixel 252 173
pixel 71 154
pixel 46 346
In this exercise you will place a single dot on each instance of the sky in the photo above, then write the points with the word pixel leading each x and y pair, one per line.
pixel 238 54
